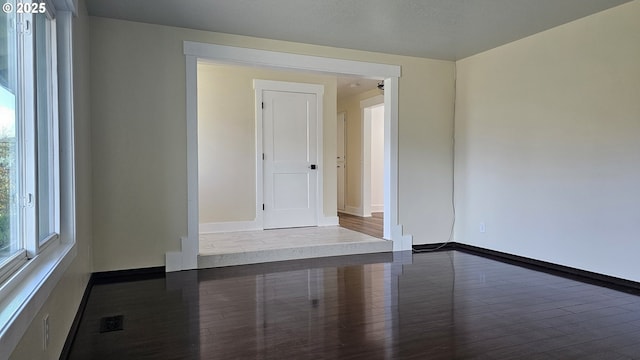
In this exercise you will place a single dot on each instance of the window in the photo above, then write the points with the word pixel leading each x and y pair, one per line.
pixel 29 165
pixel 46 128
pixel 37 229
pixel 10 244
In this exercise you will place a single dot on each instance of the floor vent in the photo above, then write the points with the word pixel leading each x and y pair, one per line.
pixel 111 323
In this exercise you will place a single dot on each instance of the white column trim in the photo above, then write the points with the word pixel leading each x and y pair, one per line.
pixel 392 228
pixel 187 257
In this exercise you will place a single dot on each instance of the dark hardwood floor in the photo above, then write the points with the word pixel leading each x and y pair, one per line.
pixel 368 225
pixel 440 305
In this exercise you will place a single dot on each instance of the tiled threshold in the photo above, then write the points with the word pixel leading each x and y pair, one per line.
pixel 253 247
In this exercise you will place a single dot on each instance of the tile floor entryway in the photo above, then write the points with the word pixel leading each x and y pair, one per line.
pixel 251 247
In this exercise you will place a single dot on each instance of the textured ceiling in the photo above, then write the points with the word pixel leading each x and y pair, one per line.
pixel 438 29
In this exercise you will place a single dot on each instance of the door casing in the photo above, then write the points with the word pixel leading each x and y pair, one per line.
pixel 186 255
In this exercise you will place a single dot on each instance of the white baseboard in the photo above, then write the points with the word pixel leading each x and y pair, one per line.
pixel 352 210
pixel 236 226
pixel 377 208
pixel 230 226
pixel 328 221
pixel 173 261
pixel 184 259
pixel 401 242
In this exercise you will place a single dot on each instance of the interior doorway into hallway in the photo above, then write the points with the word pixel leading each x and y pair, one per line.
pixel 361 161
pixel 373 157
pixel 186 257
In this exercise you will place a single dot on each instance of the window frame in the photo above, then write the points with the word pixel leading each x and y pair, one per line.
pixel 11 264
pixel 27 139
pixel 32 278
pixel 22 59
pixel 53 162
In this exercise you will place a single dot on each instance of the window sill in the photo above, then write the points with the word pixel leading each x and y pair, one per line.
pixel 24 293
pixel 12 264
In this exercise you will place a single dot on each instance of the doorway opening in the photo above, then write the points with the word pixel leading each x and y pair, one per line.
pixel 363 210
pixel 187 257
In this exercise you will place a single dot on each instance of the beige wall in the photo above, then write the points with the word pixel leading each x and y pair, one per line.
pixel 63 302
pixel 226 139
pixel 377 157
pixel 139 138
pixel 548 135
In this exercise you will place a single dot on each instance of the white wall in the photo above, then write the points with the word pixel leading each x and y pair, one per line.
pixel 226 137
pixel 377 159
pixel 548 145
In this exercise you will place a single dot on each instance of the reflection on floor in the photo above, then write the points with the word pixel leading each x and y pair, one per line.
pixel 367 225
pixel 250 247
pixel 440 305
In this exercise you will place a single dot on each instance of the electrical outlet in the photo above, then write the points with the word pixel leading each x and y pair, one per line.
pixel 45 332
pixel 483 228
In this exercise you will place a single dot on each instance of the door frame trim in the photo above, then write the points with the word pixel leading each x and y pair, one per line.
pixel 187 255
pixel 318 90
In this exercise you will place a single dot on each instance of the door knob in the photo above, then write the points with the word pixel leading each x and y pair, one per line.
pixel 312 167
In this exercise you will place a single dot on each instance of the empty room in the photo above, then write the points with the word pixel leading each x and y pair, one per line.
pixel 423 179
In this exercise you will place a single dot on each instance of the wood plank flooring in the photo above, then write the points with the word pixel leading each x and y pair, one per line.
pixel 441 305
pixel 372 226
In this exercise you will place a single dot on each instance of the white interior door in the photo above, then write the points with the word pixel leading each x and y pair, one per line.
pixel 290 159
pixel 341 160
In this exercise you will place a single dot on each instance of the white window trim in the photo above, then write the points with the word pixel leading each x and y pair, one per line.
pixel 54 136
pixel 26 146
pixel 24 293
pixel 28 185
pixel 27 289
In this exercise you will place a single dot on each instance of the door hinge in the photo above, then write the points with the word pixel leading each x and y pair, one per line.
pixel 263 104
pixel 262 207
pixel 262 156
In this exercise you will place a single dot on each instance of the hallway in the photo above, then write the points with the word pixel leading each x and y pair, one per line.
pixel 367 225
